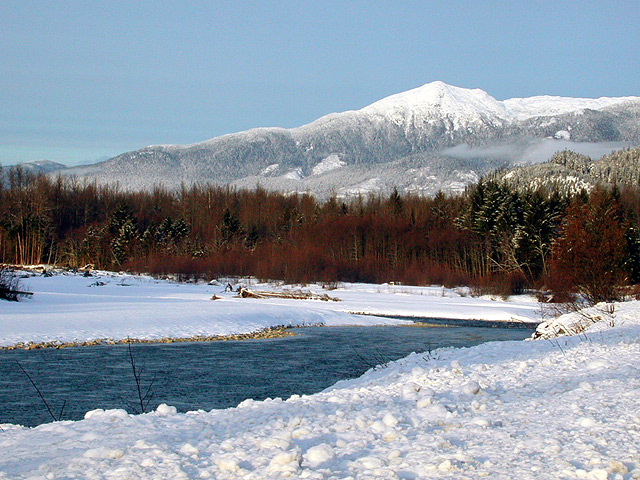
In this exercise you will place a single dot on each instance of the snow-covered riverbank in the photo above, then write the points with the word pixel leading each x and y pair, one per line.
pixel 71 307
pixel 566 408
pixel 546 409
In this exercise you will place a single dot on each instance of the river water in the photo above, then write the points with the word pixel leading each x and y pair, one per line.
pixel 210 375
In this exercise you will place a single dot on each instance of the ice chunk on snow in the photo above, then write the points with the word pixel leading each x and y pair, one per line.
pixel 280 441
pixel 410 391
pixel 286 462
pixel 378 427
pixel 300 432
pixel 425 397
pixel 587 422
pixel 103 452
pixel 616 466
pixel 166 410
pixel 319 454
pixel 114 414
pixel 599 474
pixel 93 413
pixel 389 420
pixel 189 450
pixel 228 463
pixel 481 421
pixel 586 386
pixel 389 436
pixel 471 388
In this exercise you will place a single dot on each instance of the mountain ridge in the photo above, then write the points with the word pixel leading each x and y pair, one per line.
pixel 373 145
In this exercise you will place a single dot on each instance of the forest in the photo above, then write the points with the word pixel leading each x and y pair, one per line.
pixel 494 237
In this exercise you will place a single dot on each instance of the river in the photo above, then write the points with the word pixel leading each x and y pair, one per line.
pixel 210 375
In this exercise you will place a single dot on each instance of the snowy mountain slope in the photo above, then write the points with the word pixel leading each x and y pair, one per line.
pixel 424 175
pixel 570 172
pixel 413 127
pixel 549 106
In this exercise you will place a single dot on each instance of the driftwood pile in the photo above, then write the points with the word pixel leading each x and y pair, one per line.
pixel 295 294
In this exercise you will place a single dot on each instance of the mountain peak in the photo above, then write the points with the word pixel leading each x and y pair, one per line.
pixel 435 93
pixel 466 105
pixel 439 99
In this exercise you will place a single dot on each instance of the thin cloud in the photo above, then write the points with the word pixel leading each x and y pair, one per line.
pixel 532 150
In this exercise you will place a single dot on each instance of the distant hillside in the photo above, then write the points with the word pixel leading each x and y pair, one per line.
pixel 570 172
pixel 40 166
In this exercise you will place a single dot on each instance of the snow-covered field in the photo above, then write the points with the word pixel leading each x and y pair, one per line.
pixel 71 307
pixel 562 408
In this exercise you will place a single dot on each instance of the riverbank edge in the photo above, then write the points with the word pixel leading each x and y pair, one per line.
pixel 280 331
pixel 455 322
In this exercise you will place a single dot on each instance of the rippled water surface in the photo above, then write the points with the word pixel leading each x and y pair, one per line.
pixel 194 376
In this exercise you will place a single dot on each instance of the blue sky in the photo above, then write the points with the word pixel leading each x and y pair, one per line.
pixel 80 80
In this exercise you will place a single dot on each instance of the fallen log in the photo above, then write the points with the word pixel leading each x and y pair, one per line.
pixel 293 294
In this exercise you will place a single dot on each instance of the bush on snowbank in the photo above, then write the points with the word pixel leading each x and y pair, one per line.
pixel 577 321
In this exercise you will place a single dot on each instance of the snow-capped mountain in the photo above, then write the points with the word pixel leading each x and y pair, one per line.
pixel 433 137
pixel 465 107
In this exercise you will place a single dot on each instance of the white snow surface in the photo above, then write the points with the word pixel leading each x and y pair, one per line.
pixel 71 307
pixel 548 409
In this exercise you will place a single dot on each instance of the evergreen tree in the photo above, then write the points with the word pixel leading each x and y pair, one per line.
pixel 230 227
pixel 591 254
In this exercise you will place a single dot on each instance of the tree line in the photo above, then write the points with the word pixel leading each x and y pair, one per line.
pixel 493 236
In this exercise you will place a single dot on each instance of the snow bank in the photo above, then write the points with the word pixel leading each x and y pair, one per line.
pixel 558 409
pixel 598 317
